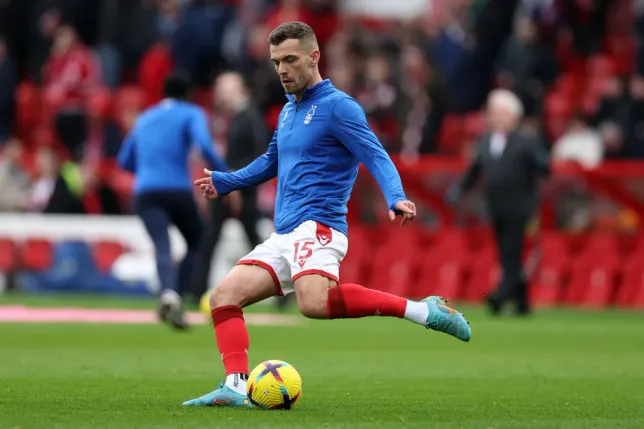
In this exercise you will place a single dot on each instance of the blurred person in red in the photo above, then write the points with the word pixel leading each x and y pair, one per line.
pixel 71 73
pixel 510 163
pixel 14 181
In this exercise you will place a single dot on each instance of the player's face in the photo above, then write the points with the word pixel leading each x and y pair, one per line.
pixel 294 64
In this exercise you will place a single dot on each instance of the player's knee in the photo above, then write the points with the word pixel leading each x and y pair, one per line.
pixel 226 293
pixel 312 308
pixel 313 303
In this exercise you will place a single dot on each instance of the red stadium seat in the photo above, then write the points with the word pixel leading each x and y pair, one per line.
pixel 451 134
pixel 354 266
pixel 479 238
pixel 547 284
pixel 485 275
pixel 594 273
pixel 395 262
pixel 440 276
pixel 8 255
pixel 106 252
pixel 443 265
pixel 36 255
pixel 637 301
pixel 632 281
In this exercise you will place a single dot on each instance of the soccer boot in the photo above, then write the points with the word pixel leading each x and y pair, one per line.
pixel 445 319
pixel 222 397
pixel 170 311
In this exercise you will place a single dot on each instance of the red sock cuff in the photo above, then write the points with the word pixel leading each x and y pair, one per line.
pixel 225 312
pixel 335 306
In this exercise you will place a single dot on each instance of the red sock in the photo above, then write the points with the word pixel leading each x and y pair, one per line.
pixel 351 301
pixel 232 338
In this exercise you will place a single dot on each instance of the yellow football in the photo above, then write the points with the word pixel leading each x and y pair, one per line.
pixel 274 385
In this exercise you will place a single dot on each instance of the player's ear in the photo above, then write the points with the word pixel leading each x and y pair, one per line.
pixel 315 57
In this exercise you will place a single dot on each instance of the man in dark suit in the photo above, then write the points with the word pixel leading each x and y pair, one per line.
pixel 510 163
pixel 247 138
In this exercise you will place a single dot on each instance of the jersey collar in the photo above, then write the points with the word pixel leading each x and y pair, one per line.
pixel 312 91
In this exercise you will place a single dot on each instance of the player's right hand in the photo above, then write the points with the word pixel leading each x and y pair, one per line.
pixel 207 187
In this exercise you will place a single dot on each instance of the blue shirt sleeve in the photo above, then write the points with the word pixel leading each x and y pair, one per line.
pixel 200 136
pixel 351 128
pixel 127 155
pixel 263 169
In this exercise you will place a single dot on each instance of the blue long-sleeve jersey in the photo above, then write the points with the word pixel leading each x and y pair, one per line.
pixel 157 149
pixel 315 153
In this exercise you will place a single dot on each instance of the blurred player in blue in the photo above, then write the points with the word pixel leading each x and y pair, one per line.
pixel 157 151
pixel 321 137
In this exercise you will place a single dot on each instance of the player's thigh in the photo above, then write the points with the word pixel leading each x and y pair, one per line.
pixel 257 276
pixel 244 285
pixel 312 293
pixel 318 252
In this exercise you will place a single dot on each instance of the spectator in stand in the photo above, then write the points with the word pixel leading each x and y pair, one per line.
pixel 587 20
pixel 266 86
pixel 14 181
pixel 581 143
pixel 510 164
pixel 614 102
pixel 57 188
pixel 193 33
pixel 71 73
pixel 526 65
pixel 8 81
pixel 634 139
pixel 612 137
pixel 247 138
pixel 381 100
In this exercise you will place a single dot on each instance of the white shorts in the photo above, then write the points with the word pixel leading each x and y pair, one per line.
pixel 311 248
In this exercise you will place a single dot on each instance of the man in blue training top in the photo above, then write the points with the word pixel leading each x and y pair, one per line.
pixel 157 151
pixel 321 137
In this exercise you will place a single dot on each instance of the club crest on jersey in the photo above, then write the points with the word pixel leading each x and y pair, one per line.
pixel 309 114
pixel 323 239
pixel 323 234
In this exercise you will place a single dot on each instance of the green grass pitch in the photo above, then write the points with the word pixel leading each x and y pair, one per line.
pixel 559 369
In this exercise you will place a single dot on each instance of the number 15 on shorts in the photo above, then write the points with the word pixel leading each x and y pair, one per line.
pixel 303 251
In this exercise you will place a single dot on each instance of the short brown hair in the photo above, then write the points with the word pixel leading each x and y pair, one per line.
pixel 292 30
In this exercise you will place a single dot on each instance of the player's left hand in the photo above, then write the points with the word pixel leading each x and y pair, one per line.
pixel 206 185
pixel 408 210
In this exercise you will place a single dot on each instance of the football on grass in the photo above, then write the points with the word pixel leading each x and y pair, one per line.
pixel 274 385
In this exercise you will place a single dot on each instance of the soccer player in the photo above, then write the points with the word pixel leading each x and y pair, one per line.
pixel 157 151
pixel 321 137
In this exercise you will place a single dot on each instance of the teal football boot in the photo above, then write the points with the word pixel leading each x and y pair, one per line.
pixel 224 396
pixel 445 319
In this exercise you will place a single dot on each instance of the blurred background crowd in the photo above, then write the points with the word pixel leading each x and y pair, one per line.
pixel 74 74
